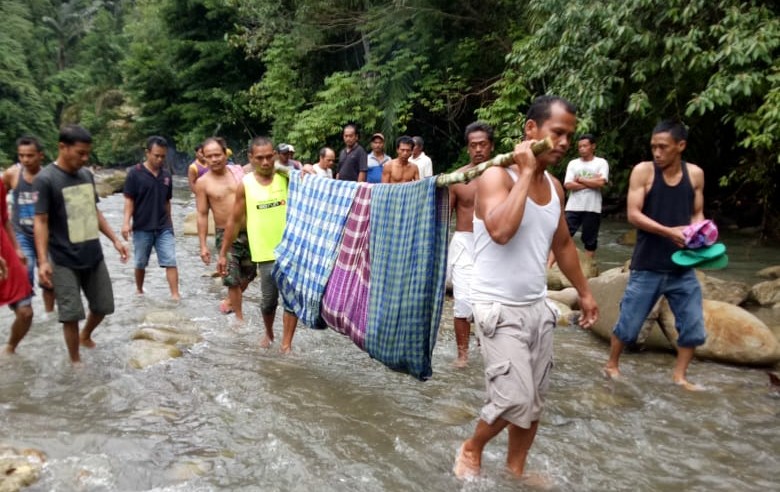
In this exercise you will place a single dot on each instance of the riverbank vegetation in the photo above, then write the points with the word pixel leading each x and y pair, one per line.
pixel 299 70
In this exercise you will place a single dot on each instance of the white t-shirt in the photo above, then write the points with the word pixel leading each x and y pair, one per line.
pixel 325 173
pixel 588 199
pixel 424 164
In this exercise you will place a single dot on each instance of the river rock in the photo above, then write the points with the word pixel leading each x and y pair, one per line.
pixel 556 280
pixel 769 272
pixel 735 335
pixel 171 320
pixel 144 353
pixel 564 312
pixel 766 293
pixel 628 238
pixel 166 335
pixel 567 297
pixel 110 181
pixel 19 468
pixel 722 290
pixel 190 227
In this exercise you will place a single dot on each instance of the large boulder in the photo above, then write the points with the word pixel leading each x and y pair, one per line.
pixel 735 335
pixel 766 293
pixel 769 272
pixel 166 335
pixel 722 290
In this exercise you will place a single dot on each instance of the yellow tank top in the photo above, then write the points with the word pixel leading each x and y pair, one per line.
pixel 266 215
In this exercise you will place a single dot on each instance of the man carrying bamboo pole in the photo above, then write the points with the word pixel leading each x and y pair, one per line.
pixel 518 218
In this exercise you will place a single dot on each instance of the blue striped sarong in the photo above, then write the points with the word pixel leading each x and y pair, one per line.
pixel 408 251
pixel 317 210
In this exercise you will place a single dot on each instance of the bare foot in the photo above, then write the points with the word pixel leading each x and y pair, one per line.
pixel 266 342
pixel 285 349
pixel 466 465
pixel 460 362
pixel 139 293
pixel 687 385
pixel 9 350
pixel 176 297
pixel 86 342
pixel 538 481
pixel 611 373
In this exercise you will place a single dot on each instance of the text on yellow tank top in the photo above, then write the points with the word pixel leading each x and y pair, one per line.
pixel 266 215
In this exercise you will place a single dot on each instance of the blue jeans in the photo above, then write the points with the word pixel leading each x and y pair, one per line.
pixel 27 245
pixel 683 292
pixel 164 244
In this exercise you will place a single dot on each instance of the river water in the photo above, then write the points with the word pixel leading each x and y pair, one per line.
pixel 230 416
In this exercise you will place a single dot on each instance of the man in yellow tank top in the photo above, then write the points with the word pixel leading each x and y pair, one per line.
pixel 261 198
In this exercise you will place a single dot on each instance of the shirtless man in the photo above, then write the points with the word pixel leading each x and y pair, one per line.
pixel 216 191
pixel 479 141
pixel 197 168
pixel 19 180
pixel 400 169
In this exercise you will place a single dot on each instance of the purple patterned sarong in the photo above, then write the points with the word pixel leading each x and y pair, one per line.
pixel 345 303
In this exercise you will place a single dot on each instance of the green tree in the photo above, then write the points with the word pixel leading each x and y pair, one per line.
pixel 22 107
pixel 186 79
pixel 628 64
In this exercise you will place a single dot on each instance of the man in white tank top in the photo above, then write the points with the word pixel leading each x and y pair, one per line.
pixel 518 218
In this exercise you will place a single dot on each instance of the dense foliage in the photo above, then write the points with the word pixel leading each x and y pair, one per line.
pixel 300 70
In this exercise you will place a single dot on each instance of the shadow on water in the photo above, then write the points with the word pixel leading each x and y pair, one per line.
pixel 230 416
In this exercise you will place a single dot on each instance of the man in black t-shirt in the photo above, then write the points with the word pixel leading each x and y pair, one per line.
pixel 353 160
pixel 148 193
pixel 66 226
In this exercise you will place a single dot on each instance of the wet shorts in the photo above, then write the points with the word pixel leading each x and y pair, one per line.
pixel 68 284
pixel 517 347
pixel 461 260
pixel 240 268
pixel 163 243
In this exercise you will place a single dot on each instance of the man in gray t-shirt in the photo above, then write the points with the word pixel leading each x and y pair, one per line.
pixel 66 226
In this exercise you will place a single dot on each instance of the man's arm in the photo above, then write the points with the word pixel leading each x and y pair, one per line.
pixel 109 233
pixel 386 172
pixel 362 164
pixel 202 208
pixel 128 216
pixel 11 177
pixel 192 176
pixel 41 238
pixel 231 230
pixel 638 184
pixel 501 205
pixel 696 175
pixel 416 174
pixel 566 255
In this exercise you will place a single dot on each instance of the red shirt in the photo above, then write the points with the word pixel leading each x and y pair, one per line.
pixel 16 286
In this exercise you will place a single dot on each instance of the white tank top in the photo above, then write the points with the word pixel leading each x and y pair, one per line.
pixel 515 273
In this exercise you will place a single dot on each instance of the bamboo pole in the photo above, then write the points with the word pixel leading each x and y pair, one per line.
pixel 503 160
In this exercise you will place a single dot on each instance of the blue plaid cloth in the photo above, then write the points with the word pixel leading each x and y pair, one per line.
pixel 317 210
pixel 408 254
